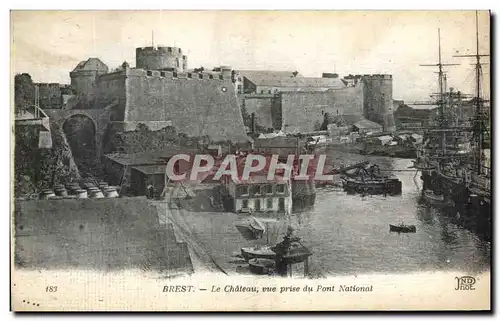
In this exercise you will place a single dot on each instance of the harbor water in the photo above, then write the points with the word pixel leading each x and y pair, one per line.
pixel 349 234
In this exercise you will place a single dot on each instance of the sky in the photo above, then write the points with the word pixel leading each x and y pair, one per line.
pixel 49 44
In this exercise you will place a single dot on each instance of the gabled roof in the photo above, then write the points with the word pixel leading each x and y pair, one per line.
pixel 91 64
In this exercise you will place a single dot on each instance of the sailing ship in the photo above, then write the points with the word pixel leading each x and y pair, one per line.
pixel 453 157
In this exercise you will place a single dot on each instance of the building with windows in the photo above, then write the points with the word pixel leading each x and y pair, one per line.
pixel 258 195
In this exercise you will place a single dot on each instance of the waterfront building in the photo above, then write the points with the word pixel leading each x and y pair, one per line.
pixel 258 194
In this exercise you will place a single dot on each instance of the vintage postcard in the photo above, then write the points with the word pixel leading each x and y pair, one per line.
pixel 250 160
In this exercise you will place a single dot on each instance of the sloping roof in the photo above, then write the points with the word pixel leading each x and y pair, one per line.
pixel 367 124
pixel 385 138
pixel 91 64
pixel 148 158
pixel 267 73
pixel 151 169
pixel 352 119
pixel 276 80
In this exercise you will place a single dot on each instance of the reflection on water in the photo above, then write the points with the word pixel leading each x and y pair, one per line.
pixel 350 234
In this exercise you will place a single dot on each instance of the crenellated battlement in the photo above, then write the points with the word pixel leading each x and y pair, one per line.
pixel 139 72
pixel 161 50
pixel 160 58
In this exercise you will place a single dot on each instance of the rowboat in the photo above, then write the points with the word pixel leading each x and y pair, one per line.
pixel 403 228
pixel 261 266
pixel 251 228
pixel 253 252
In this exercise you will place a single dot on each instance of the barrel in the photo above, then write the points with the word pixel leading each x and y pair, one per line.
pixel 46 194
pixel 61 191
pixel 72 188
pixel 103 185
pixel 110 192
pixel 88 185
pixel 81 193
pixel 95 192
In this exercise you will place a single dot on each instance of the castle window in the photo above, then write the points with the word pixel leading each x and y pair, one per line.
pixel 174 74
pixel 190 75
pixel 162 73
pixel 169 49
pixel 177 62
pixel 149 73
pixel 221 77
pixel 200 76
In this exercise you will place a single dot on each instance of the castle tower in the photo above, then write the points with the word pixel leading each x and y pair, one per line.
pixel 161 58
pixel 377 100
pixel 84 79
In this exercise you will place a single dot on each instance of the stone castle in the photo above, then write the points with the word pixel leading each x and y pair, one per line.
pixel 161 91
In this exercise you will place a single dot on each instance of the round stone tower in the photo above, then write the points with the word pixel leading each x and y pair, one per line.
pixel 377 100
pixel 160 58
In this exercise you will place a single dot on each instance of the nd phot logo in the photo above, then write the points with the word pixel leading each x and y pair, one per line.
pixel 465 283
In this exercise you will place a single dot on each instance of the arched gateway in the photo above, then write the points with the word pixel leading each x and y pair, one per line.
pixel 99 117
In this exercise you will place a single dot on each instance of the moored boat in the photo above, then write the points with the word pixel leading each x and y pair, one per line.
pixel 251 228
pixel 390 186
pixel 262 251
pixel 403 228
pixel 261 266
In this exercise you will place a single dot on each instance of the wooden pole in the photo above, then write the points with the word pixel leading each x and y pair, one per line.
pixel 306 267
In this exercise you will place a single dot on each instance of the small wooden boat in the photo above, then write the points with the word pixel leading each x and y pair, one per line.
pixel 262 252
pixel 251 229
pixel 257 227
pixel 401 228
pixel 261 266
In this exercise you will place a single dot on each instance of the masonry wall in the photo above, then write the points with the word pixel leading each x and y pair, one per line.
pixel 304 111
pixel 262 107
pixel 111 93
pixel 195 106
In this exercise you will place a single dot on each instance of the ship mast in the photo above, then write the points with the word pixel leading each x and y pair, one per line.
pixel 480 117
pixel 440 99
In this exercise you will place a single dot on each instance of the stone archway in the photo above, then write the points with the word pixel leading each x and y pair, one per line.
pixel 81 134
